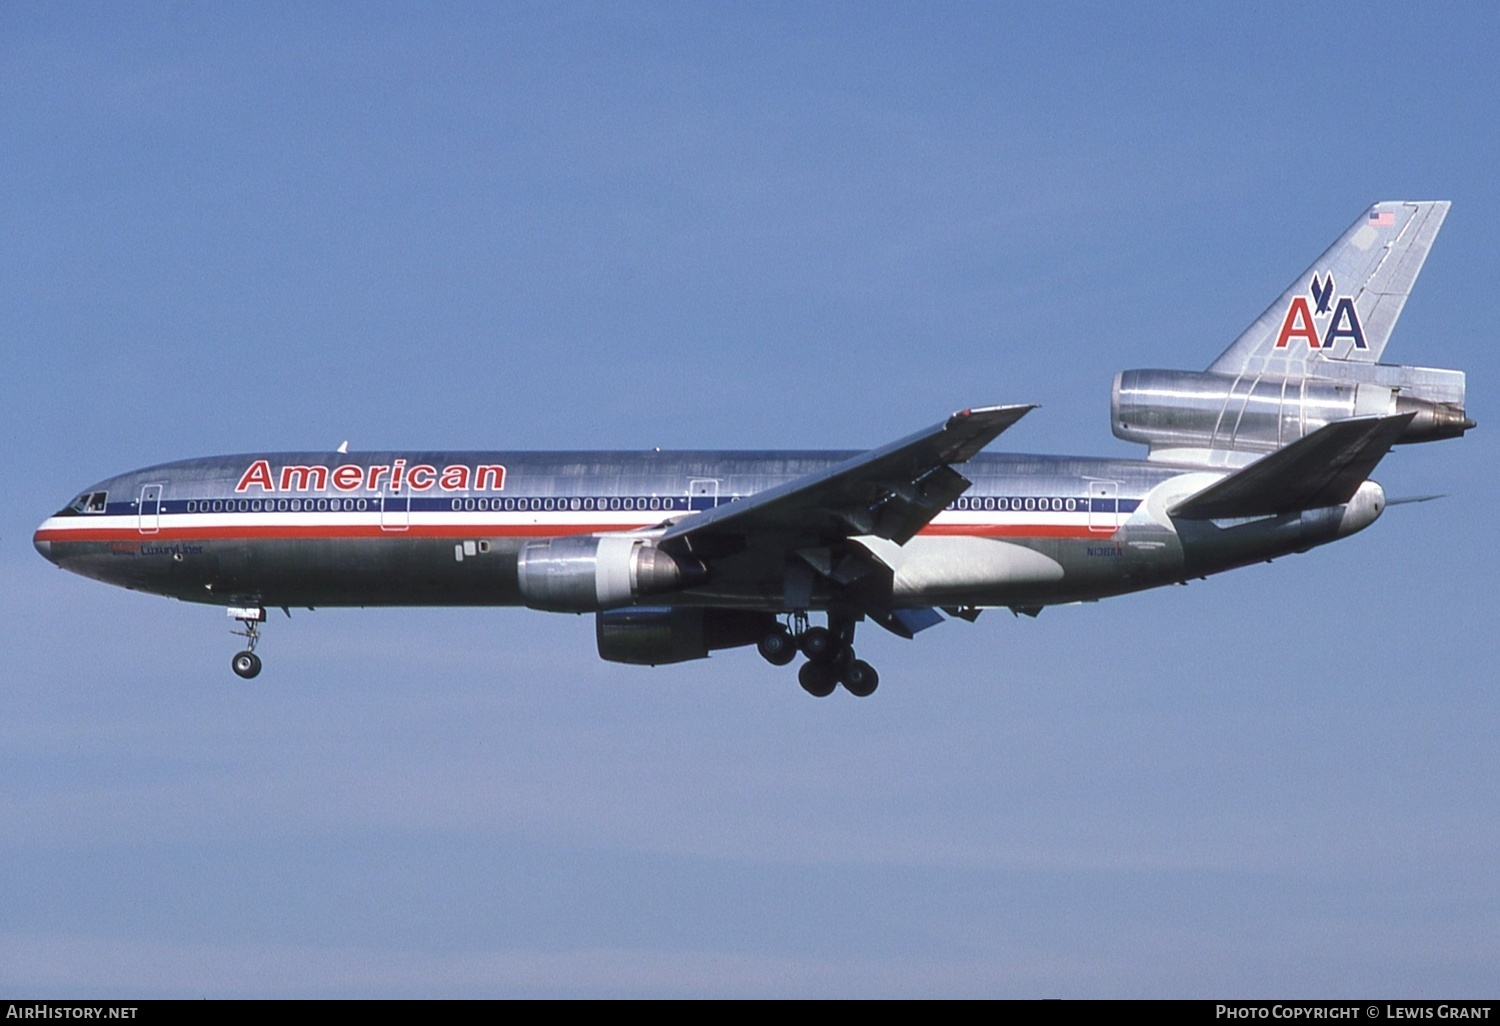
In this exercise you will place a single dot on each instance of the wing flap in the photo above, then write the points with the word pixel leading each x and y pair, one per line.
pixel 890 492
pixel 1324 468
pixel 906 623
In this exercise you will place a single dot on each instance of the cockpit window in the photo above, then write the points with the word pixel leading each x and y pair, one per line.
pixel 89 502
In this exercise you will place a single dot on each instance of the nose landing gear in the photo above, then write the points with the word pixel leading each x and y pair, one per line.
pixel 246 664
pixel 830 656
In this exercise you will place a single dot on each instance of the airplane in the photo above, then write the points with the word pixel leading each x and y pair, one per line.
pixel 679 554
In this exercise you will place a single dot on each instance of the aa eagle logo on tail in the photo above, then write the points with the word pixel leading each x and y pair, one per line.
pixel 1301 320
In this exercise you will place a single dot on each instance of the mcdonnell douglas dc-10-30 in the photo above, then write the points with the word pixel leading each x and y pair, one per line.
pixel 678 554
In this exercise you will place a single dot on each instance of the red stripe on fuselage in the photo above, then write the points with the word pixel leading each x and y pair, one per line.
pixel 259 531
pixel 319 531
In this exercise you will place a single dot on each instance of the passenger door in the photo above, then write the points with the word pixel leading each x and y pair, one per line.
pixel 148 513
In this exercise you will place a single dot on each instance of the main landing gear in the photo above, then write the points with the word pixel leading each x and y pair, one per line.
pixel 247 664
pixel 830 656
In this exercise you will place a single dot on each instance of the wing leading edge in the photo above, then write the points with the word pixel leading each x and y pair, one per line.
pixel 890 492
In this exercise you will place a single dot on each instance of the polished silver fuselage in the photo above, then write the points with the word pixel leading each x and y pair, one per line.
pixel 396 528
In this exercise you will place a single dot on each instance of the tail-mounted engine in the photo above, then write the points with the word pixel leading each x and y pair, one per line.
pixel 585 573
pixel 1184 415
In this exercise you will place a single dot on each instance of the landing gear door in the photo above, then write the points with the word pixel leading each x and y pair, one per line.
pixel 1103 500
pixel 149 512
pixel 703 493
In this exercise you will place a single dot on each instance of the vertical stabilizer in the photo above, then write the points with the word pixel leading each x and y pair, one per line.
pixel 1345 305
pixel 1312 359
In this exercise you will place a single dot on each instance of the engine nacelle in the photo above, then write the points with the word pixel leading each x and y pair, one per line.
pixel 653 635
pixel 1181 414
pixel 585 573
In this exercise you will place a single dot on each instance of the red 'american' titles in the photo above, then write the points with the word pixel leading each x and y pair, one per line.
pixel 351 477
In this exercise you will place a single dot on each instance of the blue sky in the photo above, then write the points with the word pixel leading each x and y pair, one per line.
pixel 769 225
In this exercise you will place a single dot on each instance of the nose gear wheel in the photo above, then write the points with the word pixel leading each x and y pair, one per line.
pixel 246 664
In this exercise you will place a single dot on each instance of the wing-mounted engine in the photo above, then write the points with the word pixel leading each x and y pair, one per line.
pixel 584 573
pixel 1205 417
pixel 653 635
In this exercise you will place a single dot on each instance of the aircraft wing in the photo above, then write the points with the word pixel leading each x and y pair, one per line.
pixel 1324 468
pixel 890 492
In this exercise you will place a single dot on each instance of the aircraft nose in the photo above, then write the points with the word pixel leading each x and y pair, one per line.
pixel 43 546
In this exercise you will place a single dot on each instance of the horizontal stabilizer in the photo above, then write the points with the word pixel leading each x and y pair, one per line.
pixel 1323 469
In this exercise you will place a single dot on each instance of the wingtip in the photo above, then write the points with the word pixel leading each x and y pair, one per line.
pixel 979 411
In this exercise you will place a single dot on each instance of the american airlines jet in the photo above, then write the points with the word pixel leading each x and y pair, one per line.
pixel 679 554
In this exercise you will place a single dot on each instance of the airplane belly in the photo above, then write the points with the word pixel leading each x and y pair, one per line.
pixel 307 571
pixel 376 571
pixel 927 570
